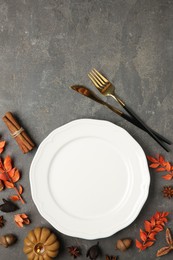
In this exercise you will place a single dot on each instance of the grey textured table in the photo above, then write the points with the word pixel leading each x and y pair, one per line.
pixel 46 46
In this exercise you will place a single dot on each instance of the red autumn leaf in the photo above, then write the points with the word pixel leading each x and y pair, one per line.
pixel 165 214
pixel 152 159
pixel 161 159
pixel 154 165
pixel 167 177
pixel 20 189
pixel 7 163
pixel 172 168
pixel 147 226
pixel 150 243
pixel 16 175
pixel 157 215
pixel 152 235
pixel 139 244
pixel 158 229
pixel 14 197
pixel 143 235
pixel 168 166
pixel 160 169
pixel 8 184
pixel 3 177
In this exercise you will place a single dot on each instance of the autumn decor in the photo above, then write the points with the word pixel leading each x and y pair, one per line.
pixel 151 228
pixel 166 249
pixel 2 145
pixel 168 192
pixel 123 244
pixel 41 243
pixel 8 206
pixel 21 220
pixel 18 133
pixel 160 165
pixel 1 185
pixel 93 252
pixel 2 221
pixel 111 257
pixel 74 251
pixel 10 176
pixel 8 240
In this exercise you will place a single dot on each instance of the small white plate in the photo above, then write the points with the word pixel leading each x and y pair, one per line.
pixel 89 179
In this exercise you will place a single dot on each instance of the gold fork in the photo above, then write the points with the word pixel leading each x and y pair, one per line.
pixel 107 89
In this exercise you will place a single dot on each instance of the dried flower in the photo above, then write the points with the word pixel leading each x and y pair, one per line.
pixel 7 240
pixel 2 221
pixel 8 206
pixel 21 219
pixel 152 227
pixel 160 165
pixel 165 250
pixel 93 252
pixel 74 251
pixel 111 257
pixel 168 192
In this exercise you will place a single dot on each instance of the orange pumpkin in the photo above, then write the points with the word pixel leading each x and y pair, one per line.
pixel 41 244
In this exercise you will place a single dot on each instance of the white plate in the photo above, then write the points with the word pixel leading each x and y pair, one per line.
pixel 89 179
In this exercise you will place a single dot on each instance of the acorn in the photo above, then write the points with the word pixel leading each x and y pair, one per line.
pixel 7 240
pixel 123 244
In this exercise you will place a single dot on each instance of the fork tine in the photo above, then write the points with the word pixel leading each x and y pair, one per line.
pixel 101 76
pixel 97 77
pixel 95 81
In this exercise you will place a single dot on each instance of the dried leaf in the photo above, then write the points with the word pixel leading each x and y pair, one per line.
pixel 152 235
pixel 148 244
pixel 154 165
pixel 147 226
pixel 169 239
pixel 163 251
pixel 21 219
pixel 8 184
pixel 8 163
pixel 152 159
pixel 14 198
pixel 139 245
pixel 2 145
pixel 3 176
pixel 167 177
pixel 143 235
pixel 161 159
pixel 20 189
pixel 16 176
pixel 168 166
pixel 161 169
pixel 8 206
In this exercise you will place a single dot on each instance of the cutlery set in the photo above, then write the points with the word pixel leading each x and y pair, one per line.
pixel 106 88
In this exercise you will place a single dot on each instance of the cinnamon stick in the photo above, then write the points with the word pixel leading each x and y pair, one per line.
pixel 19 134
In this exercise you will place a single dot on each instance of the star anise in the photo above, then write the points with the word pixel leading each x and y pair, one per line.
pixel 168 192
pixel 2 221
pixel 166 249
pixel 74 251
pixel 111 257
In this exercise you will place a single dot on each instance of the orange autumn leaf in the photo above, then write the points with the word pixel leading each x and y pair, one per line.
pixel 167 177
pixel 16 175
pixel 3 176
pixel 147 226
pixel 8 163
pixel 21 219
pixel 14 198
pixel 9 184
pixel 143 235
pixel 152 159
pixel 154 165
pixel 20 189
pixel 2 145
